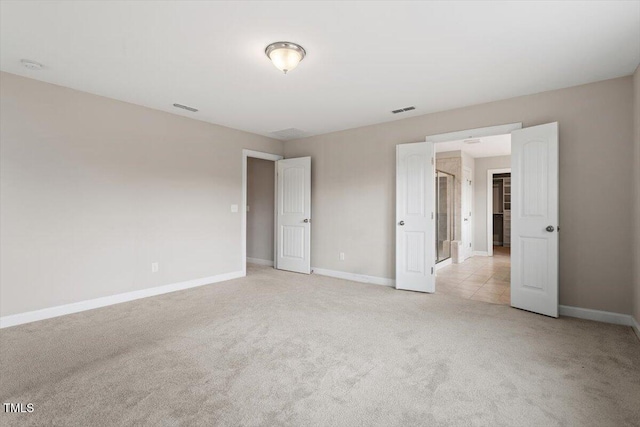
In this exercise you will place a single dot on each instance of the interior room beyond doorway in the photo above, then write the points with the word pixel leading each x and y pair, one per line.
pixel 473 196
pixel 260 211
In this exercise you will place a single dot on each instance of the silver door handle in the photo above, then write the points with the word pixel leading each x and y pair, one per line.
pixel 401 223
pixel 306 220
pixel 466 219
pixel 550 228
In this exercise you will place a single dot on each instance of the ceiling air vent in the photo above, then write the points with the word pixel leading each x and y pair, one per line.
pixel 185 107
pixel 289 134
pixel 402 110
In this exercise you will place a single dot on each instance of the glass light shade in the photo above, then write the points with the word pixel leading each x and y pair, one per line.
pixel 285 59
pixel 285 55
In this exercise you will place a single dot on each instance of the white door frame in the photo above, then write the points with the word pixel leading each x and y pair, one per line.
pixel 243 212
pixel 490 173
pixel 475 133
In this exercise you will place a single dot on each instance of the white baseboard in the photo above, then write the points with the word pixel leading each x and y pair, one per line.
pixel 61 310
pixel 598 315
pixel 260 261
pixel 480 253
pixel 354 277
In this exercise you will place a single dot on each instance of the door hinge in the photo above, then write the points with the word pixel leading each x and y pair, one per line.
pixel 431 215
pixel 432 271
pixel 432 162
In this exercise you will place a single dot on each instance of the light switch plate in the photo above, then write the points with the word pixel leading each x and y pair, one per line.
pixel 234 208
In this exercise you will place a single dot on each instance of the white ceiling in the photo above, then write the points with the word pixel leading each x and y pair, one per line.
pixel 364 58
pixel 489 146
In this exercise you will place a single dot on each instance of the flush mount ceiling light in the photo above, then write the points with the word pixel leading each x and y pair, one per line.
pixel 285 55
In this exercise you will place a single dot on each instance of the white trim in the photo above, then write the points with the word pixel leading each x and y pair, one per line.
pixel 490 173
pixel 474 133
pixel 76 307
pixel 597 315
pixel 383 281
pixel 480 253
pixel 243 208
pixel 259 261
pixel 444 263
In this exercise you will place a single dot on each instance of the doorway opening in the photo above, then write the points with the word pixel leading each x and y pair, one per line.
pixel 258 209
pixel 288 230
pixel 499 210
pixel 529 278
pixel 479 266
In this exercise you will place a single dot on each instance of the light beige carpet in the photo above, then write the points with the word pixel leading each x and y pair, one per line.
pixel 278 348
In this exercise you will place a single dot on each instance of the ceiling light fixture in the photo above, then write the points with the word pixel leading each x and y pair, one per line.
pixel 472 141
pixel 285 55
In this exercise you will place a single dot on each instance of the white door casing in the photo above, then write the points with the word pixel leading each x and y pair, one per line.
pixel 415 223
pixel 467 197
pixel 293 237
pixel 534 219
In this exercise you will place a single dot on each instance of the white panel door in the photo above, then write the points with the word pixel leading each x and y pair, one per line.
pixel 293 237
pixel 415 226
pixel 534 219
pixel 467 197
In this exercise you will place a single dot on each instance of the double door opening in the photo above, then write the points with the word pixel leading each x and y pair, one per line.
pixel 533 212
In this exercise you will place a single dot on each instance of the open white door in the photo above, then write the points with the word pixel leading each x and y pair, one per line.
pixel 415 224
pixel 534 219
pixel 293 237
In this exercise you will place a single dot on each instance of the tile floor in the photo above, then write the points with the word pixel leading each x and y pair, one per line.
pixel 479 278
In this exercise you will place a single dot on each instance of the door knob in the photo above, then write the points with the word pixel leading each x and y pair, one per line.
pixel 466 219
pixel 401 223
pixel 550 228
pixel 307 220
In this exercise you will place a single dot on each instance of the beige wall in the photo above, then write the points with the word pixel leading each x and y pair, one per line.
pixel 353 184
pixel 483 164
pixel 94 190
pixel 636 212
pixel 261 202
